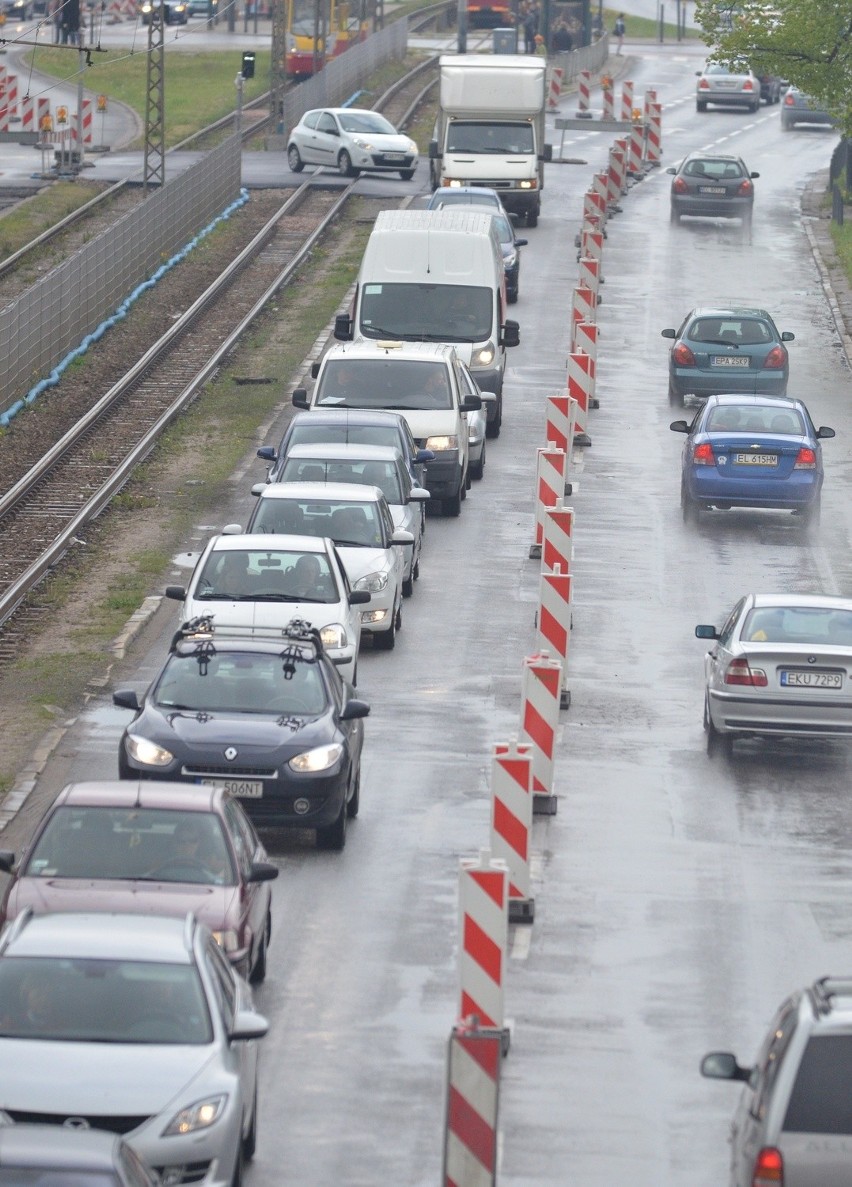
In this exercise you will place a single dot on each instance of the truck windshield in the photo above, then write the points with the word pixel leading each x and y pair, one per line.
pixel 477 137
pixel 427 312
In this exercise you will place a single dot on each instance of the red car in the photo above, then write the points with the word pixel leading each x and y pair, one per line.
pixel 152 848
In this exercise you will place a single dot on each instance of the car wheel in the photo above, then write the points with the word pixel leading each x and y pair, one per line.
pixel 492 427
pixel 406 174
pixel 675 397
pixel 294 159
pixel 452 506
pixel 415 572
pixel 717 743
pixel 477 470
pixel 786 125
pixel 250 1140
pixel 386 640
pixel 688 506
pixel 258 973
pixel 354 804
pixel 408 585
pixel 344 165
pixel 511 296
pixel 532 218
pixel 701 105
pixel 811 514
pixel 334 835
pixel 756 105
pixel 674 217
pixel 237 1177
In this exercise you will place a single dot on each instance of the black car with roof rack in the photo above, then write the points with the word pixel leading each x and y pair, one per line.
pixel 270 720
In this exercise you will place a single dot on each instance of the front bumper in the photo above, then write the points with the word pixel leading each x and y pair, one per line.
pixel 443 474
pixel 378 162
pixel 382 604
pixel 829 717
pixel 489 379
pixel 703 382
pixel 204 1159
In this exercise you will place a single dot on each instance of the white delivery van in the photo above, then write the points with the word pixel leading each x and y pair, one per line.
pixel 437 276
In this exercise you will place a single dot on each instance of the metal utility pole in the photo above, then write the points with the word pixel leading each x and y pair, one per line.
pixel 278 67
pixel 154 166
pixel 461 26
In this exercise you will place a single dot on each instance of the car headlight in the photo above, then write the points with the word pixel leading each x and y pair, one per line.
pixel 374 582
pixel 438 444
pixel 201 1115
pixel 229 940
pixel 412 147
pixel 319 759
pixel 482 357
pixel 148 753
pixel 532 184
pixel 333 635
pixel 362 143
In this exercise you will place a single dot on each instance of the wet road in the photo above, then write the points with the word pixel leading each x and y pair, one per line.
pixel 677 898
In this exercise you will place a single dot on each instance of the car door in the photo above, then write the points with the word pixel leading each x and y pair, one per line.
pixel 254 896
pixel 749 1128
pixel 717 659
pixel 306 138
pixel 459 395
pixel 351 614
pixel 341 692
pixel 401 553
pixel 327 140
pixel 241 1058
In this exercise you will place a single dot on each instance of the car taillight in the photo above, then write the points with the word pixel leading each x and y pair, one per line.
pixel 745 188
pixel 776 359
pixel 703 455
pixel 679 186
pixel 703 85
pixel 805 459
pixel 739 671
pixel 748 85
pixel 768 1168
pixel 682 356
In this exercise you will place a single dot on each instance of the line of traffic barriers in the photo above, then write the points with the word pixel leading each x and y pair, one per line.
pixel 495 887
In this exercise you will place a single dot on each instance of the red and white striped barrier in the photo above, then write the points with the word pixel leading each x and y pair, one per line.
pixel 541 687
pixel 10 100
pixel 608 112
pixel 586 340
pixel 615 175
pixel 600 186
pixel 554 88
pixel 594 206
pixel 34 112
pixel 473 1101
pixel 583 306
pixel 88 126
pixel 627 102
pixel 591 245
pixel 558 548
pixel 654 139
pixel 115 13
pixel 511 823
pixel 484 926
pixel 635 160
pixel 581 389
pixel 554 621
pixel 559 424
pixel 584 91
pixel 650 97
pixel 622 146
pixel 550 477
pixel 589 276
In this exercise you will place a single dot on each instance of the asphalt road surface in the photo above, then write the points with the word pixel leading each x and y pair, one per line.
pixel 678 898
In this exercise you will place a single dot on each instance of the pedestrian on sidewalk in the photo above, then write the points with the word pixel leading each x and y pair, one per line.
pixel 618 30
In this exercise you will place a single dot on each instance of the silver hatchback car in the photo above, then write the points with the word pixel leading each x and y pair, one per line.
pixel 136 1024
pixel 793 1124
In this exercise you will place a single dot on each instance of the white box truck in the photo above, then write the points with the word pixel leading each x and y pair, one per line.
pixel 490 128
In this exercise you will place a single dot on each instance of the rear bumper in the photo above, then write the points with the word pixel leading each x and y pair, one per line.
pixel 707 485
pixel 766 715
pixel 703 382
pixel 724 99
pixel 709 207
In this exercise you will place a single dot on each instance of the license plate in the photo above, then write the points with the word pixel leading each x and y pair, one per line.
pixel 756 459
pixel 394 156
pixel 730 360
pixel 811 679
pixel 246 789
pixel 711 189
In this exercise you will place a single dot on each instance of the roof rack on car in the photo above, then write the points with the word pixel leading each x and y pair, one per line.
pixel 300 633
pixel 825 989
pixel 199 630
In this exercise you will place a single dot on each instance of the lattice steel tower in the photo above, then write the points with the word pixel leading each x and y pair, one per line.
pixel 154 166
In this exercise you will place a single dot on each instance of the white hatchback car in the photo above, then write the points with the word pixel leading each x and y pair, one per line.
pixel 351 139
pixel 254 587
pixel 358 520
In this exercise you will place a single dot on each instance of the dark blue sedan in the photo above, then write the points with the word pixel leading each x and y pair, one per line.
pixel 752 451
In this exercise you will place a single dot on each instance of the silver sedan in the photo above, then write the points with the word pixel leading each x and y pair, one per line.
pixel 780 666
pixel 727 87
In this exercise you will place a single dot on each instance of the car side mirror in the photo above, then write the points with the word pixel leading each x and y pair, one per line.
pixel 679 426
pixel 262 871
pixel 177 593
pixel 671 169
pixel 668 333
pixel 788 336
pixel 434 155
pixel 126 698
pixel 722 1065
pixel 315 369
pixel 300 398
pixel 521 242
pixel 258 489
pixel 268 453
pixel 754 175
pixel 343 327
pixel 359 597
pixel 354 709
pixel 7 860
pixel 401 536
pixel 424 455
pixel 547 152
pixel 248 1025
pixel 825 431
pixel 232 529
pixel 418 494
pixel 471 404
pixel 510 333
pixel 488 397
pixel 705 631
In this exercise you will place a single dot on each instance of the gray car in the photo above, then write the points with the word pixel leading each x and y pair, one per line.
pixel 726 87
pixel 136 1024
pixel 799 108
pixel 56 1156
pixel 793 1124
pixel 711 185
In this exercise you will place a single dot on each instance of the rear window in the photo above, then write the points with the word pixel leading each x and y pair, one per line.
pixel 740 331
pixel 821 1101
pixel 381 474
pixel 752 418
pixel 811 626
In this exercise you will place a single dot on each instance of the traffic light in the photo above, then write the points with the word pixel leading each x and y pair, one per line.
pixel 248 64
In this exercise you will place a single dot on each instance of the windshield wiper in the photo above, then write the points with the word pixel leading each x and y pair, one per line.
pixel 353 543
pixel 718 342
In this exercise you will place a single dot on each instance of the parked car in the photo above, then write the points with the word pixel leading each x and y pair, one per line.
pixel 133 1023
pixel 372 466
pixel 793 1125
pixel 723 86
pixel 352 140
pixel 752 451
pixel 153 848
pixel 735 349
pixel 799 108
pixel 712 186
pixel 268 720
pixel 56 1156
pixel 779 666
pixel 248 589
pixel 357 518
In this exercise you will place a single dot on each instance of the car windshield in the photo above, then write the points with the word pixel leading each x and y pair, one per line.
pixel 820 1100
pixel 736 331
pixel 751 418
pixel 381 474
pixel 365 122
pixel 132 843
pixel 384 383
pixel 475 136
pixel 241 682
pixel 102 1001
pixel 812 626
pixel 268 575
pixel 358 524
pixel 426 312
